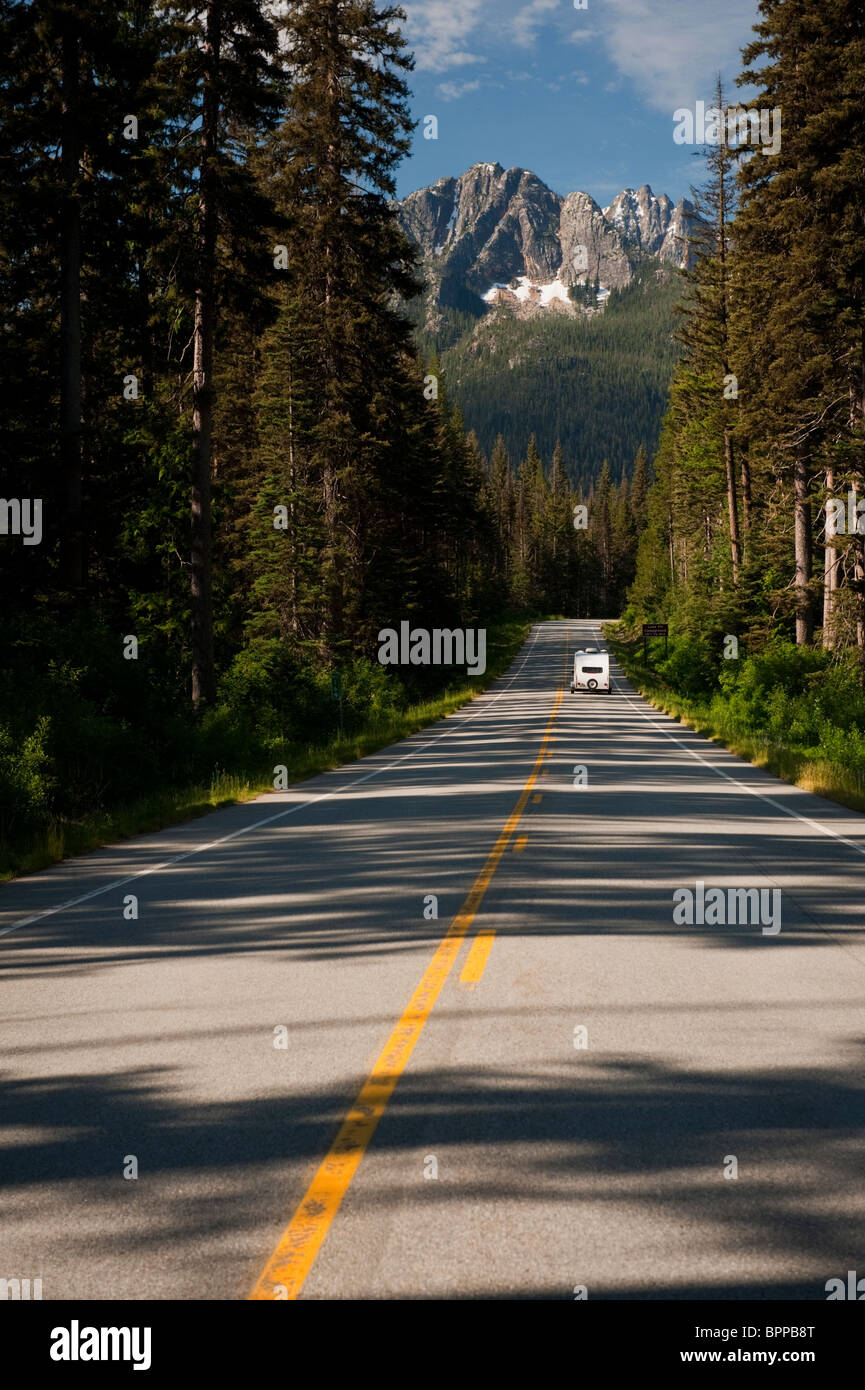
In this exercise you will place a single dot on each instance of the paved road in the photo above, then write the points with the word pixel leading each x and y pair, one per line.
pixel 558 1165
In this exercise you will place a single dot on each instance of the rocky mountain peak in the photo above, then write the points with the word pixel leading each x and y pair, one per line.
pixel 640 218
pixel 501 235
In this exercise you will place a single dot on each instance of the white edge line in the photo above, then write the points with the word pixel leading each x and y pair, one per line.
pixel 269 820
pixel 787 810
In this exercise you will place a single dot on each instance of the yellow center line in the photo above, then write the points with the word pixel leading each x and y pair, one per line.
pixel 291 1261
pixel 479 952
pixel 476 960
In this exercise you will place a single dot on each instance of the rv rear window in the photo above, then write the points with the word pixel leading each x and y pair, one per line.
pixel 594 670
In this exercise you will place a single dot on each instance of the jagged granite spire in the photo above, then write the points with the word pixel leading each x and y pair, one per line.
pixel 504 236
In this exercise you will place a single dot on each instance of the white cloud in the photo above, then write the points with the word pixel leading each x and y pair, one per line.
pixel 437 31
pixel 527 21
pixel 446 34
pixel 583 36
pixel 671 52
pixel 452 91
pixel 667 52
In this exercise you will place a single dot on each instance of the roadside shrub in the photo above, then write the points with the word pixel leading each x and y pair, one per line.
pixel 25 782
pixel 689 668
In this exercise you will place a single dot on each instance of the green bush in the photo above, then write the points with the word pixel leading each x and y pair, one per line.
pixel 267 698
pixel 801 699
pixel 689 668
pixel 89 740
pixel 26 784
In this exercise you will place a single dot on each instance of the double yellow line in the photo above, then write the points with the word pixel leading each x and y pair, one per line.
pixel 291 1261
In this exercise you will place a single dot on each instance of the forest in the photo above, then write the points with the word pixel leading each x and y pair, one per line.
pixel 597 384
pixel 214 405
pixel 754 548
pixel 242 465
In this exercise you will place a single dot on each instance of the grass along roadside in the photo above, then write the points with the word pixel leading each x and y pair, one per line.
pixel 64 839
pixel 798 766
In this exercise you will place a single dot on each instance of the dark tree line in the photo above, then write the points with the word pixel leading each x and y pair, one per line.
pixel 755 524
pixel 596 385
pixel 560 548
pixel 245 470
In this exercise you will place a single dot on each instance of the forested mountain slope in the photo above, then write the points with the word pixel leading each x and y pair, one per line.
pixel 599 384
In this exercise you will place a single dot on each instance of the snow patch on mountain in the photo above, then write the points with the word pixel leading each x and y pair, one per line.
pixel 502 236
pixel 528 291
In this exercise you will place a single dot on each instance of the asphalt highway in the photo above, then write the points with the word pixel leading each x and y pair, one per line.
pixel 327 1092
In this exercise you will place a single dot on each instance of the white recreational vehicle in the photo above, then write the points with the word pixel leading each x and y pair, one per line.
pixel 591 671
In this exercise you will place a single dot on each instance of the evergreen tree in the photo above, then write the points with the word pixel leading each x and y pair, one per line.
pixel 237 84
pixel 601 536
pixel 500 494
pixel 786 319
pixel 640 490
pixel 784 336
pixel 330 167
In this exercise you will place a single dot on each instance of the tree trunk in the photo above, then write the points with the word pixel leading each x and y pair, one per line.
pixel 331 559
pixel 830 566
pixel 732 501
pixel 203 674
pixel 732 506
pixel 859 577
pixel 745 485
pixel 857 550
pixel 294 552
pixel 857 422
pixel 802 545
pixel 70 312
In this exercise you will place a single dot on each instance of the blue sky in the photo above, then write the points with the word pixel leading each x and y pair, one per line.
pixel 584 98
